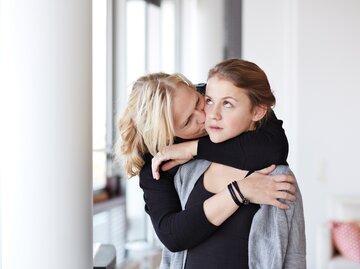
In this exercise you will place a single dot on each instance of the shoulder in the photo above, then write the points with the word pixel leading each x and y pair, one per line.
pixel 146 180
pixel 194 167
pixel 146 169
pixel 190 172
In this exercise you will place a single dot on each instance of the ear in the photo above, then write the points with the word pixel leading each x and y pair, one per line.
pixel 259 112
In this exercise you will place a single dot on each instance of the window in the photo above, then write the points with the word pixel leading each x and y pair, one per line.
pixel 150 47
pixel 102 94
pixel 144 41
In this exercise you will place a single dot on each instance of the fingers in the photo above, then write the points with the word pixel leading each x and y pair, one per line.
pixel 156 175
pixel 268 189
pixel 155 164
pixel 169 165
pixel 286 187
pixel 157 160
pixel 155 170
pixel 285 195
pixel 284 178
pixel 267 170
pixel 278 204
pixel 166 155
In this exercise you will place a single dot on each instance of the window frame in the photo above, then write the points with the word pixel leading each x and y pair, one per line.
pixel 112 179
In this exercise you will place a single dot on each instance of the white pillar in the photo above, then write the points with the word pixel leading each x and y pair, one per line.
pixel 46 148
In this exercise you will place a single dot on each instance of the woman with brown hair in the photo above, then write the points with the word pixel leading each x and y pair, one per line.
pixel 238 99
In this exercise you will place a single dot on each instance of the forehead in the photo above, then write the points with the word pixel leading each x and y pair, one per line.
pixel 183 103
pixel 219 87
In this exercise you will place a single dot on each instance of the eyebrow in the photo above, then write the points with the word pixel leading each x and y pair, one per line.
pixel 222 98
pixel 183 125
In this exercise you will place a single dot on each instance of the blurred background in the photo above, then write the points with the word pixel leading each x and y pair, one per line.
pixel 53 53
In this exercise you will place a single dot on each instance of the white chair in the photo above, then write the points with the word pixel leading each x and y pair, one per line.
pixel 104 256
pixel 343 209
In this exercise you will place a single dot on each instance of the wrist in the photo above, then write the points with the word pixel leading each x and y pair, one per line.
pixel 194 147
pixel 234 195
pixel 236 189
pixel 244 189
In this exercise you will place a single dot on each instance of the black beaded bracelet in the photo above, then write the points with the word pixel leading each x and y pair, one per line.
pixel 236 186
pixel 233 195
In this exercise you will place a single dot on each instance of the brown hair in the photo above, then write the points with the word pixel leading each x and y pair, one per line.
pixel 251 78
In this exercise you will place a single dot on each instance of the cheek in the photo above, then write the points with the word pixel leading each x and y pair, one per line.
pixel 182 134
pixel 207 111
pixel 241 123
pixel 233 120
pixel 202 103
pixel 235 117
pixel 189 132
pixel 206 108
pixel 207 117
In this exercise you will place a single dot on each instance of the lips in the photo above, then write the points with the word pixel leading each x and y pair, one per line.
pixel 215 128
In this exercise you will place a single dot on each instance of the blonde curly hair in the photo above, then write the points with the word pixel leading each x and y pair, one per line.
pixel 146 125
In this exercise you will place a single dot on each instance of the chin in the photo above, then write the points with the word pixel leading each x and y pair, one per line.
pixel 216 139
pixel 203 133
pixel 199 135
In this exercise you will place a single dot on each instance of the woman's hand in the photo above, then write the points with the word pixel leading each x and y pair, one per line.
pixel 177 154
pixel 262 188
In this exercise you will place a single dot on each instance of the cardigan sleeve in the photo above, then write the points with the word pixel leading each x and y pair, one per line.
pixel 252 150
pixel 177 229
pixel 296 247
pixel 281 232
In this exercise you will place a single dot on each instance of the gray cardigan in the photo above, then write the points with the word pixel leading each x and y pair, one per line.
pixel 277 236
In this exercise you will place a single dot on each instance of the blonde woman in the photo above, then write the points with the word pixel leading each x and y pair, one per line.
pixel 163 109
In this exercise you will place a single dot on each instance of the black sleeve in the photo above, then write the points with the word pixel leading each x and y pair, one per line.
pixel 177 229
pixel 252 150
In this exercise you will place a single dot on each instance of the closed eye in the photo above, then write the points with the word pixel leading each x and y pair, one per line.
pixel 191 116
pixel 187 121
pixel 197 103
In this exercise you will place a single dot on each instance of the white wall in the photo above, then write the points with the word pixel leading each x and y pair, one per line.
pixel 202 37
pixel 310 50
pixel 270 40
pixel 329 56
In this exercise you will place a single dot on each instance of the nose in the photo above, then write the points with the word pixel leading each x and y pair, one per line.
pixel 214 113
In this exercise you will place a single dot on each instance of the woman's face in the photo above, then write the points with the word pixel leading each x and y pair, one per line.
pixel 228 110
pixel 188 111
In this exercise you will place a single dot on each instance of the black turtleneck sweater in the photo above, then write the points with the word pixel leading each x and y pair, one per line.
pixel 181 229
